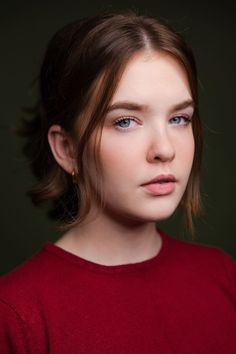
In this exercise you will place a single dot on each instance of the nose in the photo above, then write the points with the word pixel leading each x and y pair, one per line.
pixel 161 147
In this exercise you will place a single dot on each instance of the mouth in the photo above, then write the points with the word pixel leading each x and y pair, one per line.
pixel 160 185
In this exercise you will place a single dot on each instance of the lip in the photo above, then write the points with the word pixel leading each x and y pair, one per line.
pixel 161 185
pixel 161 178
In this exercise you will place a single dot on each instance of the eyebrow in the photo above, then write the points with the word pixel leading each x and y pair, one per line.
pixel 132 106
pixel 182 105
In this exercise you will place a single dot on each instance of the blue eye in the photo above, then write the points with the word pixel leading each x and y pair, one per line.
pixel 178 119
pixel 124 123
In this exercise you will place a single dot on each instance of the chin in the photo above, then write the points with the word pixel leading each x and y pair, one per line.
pixel 160 212
pixel 150 216
pixel 158 217
pixel 150 212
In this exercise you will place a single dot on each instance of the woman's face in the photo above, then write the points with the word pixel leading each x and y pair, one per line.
pixel 147 133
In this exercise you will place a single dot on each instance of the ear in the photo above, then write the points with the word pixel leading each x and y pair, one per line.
pixel 62 148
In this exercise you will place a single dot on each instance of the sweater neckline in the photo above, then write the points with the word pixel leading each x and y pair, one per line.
pixel 121 268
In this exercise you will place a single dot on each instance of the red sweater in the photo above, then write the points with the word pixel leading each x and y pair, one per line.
pixel 182 301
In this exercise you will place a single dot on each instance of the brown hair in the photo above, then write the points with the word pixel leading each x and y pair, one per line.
pixel 81 69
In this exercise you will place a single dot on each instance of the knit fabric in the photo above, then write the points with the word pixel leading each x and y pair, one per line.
pixel 182 301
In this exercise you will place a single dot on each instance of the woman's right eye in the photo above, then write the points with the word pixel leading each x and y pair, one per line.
pixel 124 123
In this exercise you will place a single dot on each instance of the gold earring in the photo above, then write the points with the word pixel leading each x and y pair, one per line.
pixel 74 176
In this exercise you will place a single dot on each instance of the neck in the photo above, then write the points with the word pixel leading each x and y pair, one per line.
pixel 106 240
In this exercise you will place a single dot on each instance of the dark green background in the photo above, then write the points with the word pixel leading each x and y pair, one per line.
pixel 209 27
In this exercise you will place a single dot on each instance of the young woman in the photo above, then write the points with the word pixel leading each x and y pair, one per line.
pixel 115 143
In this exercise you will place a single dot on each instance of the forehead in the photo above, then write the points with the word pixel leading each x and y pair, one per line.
pixel 152 76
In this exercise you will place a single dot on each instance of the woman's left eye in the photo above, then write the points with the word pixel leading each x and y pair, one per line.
pixel 125 123
pixel 177 119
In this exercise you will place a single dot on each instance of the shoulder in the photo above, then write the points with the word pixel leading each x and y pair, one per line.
pixel 26 272
pixel 27 284
pixel 200 258
pixel 22 293
pixel 196 249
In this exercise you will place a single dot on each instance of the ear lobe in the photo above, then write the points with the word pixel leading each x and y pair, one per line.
pixel 62 148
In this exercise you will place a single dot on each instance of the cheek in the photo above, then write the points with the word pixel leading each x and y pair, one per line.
pixel 119 156
pixel 186 148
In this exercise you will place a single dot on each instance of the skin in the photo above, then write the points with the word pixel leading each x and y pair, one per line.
pixel 136 146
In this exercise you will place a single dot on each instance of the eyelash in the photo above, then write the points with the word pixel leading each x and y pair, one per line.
pixel 187 119
pixel 121 119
